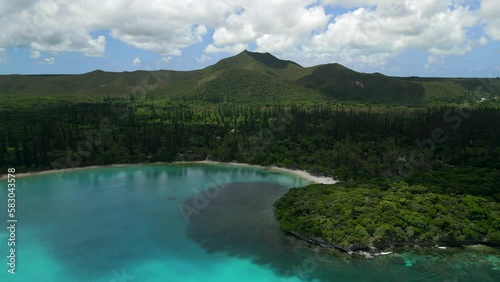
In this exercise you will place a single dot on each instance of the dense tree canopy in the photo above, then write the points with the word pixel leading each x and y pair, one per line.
pixel 364 215
pixel 349 142
pixel 449 157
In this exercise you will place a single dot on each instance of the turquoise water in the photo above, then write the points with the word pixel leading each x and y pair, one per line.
pixel 169 223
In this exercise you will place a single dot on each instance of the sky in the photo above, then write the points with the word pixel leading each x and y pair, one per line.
pixel 446 38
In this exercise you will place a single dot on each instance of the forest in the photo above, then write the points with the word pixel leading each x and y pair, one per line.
pixel 425 165
pixel 345 141
pixel 363 216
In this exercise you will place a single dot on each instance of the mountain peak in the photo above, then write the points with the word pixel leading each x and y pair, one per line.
pixel 250 60
pixel 271 61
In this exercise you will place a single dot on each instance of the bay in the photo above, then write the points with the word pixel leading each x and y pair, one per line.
pixel 191 223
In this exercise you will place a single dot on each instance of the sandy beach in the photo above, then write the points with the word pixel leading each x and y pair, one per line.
pixel 27 174
pixel 300 173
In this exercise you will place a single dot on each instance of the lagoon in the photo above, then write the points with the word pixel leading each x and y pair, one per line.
pixel 192 222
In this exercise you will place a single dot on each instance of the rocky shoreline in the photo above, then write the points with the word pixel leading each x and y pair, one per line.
pixel 386 249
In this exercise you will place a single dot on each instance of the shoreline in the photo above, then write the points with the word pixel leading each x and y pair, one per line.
pixel 52 171
pixel 389 248
pixel 299 173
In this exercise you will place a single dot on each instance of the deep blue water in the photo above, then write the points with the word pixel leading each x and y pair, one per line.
pixel 169 223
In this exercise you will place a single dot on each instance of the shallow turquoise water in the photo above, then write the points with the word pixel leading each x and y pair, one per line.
pixel 130 223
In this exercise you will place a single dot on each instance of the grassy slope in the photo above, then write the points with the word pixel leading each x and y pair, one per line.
pixel 257 77
pixel 342 83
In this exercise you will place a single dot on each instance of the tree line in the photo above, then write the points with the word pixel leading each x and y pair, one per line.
pixel 347 142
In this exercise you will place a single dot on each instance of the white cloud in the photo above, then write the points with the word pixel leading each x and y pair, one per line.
pixel 372 32
pixel 483 41
pixel 166 59
pixel 166 27
pixel 350 3
pixel 56 26
pixel 51 25
pixel 274 26
pixel 48 61
pixel 489 11
pixel 136 62
pixel 203 58
pixel 435 60
pixel 35 54
pixel 375 34
pixel 233 49
pixel 275 43
pixel 81 42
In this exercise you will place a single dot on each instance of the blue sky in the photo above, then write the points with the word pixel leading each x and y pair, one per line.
pixel 423 38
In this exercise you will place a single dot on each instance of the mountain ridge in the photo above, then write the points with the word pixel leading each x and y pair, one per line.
pixel 257 77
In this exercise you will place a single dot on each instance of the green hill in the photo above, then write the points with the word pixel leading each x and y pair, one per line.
pixel 259 78
pixel 342 83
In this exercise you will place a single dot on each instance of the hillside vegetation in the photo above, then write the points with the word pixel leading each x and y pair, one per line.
pixel 259 78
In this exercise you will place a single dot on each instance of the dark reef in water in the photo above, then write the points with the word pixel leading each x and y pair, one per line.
pixel 240 221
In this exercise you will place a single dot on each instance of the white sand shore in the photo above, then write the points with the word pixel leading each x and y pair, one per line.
pixel 299 173
pixel 51 171
pixel 308 176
